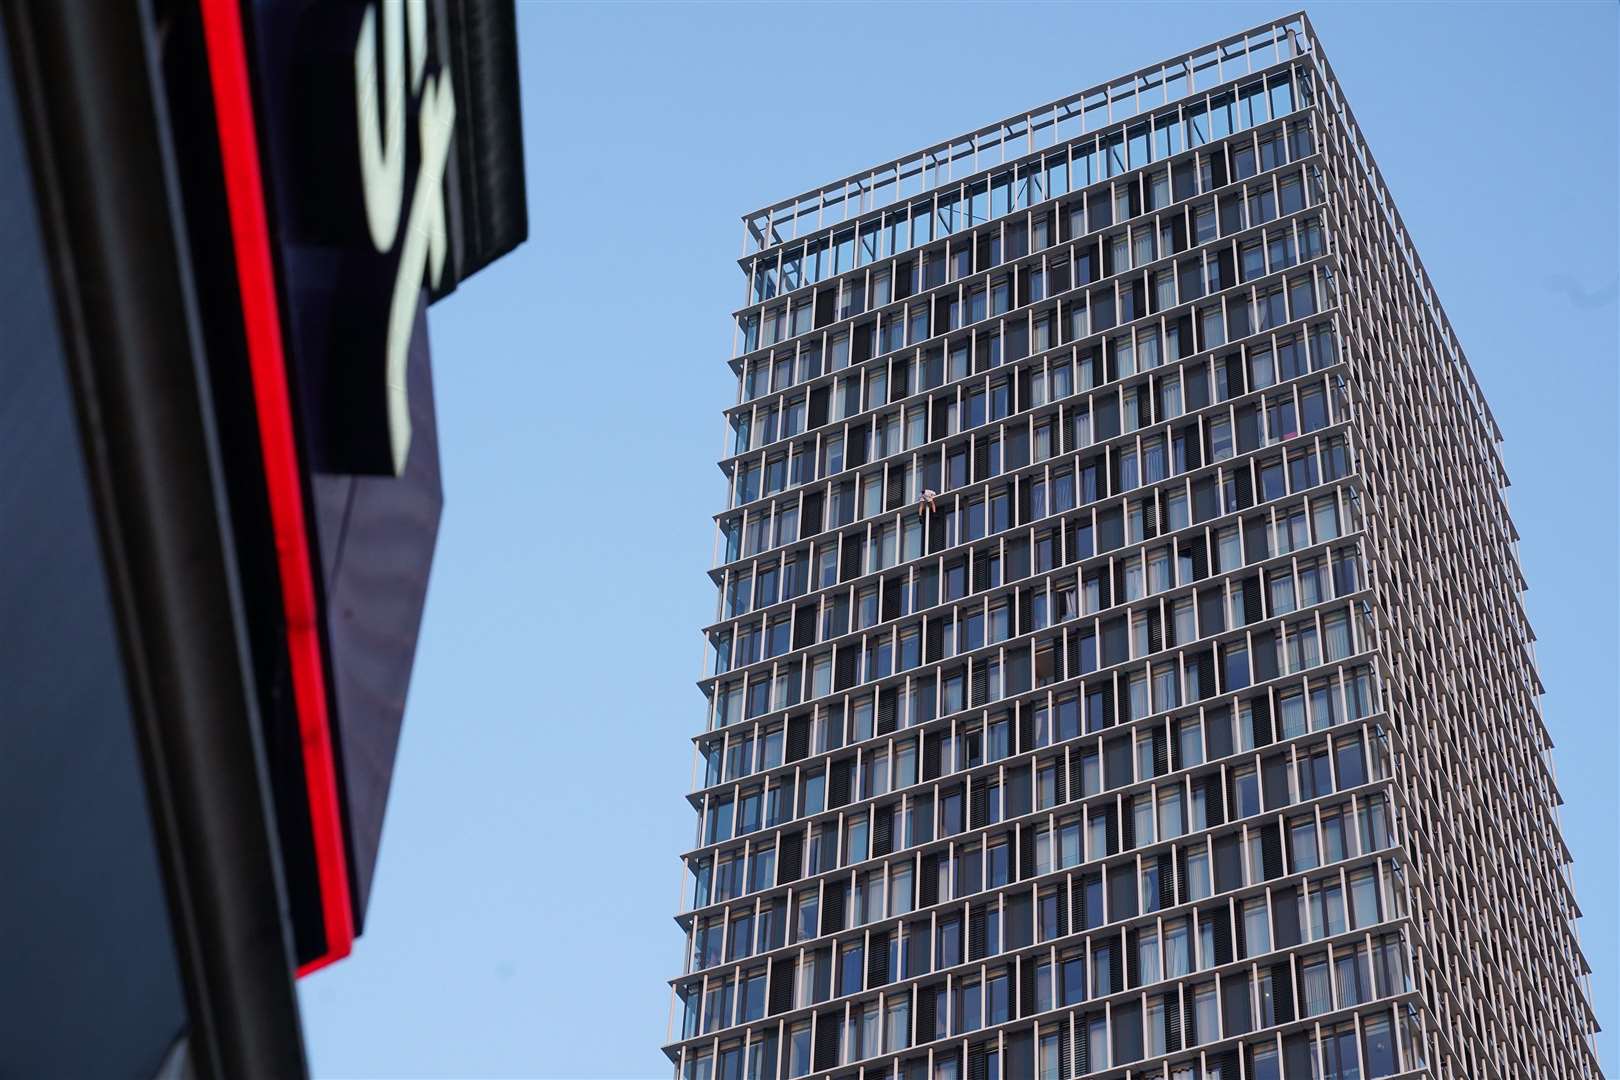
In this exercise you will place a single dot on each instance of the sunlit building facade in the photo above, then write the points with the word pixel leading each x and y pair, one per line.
pixel 1119 666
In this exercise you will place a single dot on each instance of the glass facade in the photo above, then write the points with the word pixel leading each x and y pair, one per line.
pixel 1113 538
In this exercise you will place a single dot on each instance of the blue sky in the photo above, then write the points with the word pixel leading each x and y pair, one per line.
pixel 520 923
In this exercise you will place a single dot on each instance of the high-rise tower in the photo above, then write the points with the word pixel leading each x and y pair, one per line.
pixel 1119 667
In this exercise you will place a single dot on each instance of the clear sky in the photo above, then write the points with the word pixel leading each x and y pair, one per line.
pixel 520 923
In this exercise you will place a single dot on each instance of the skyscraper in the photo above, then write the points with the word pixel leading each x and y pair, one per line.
pixel 1119 666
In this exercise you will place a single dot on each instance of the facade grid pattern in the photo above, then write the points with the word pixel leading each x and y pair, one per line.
pixel 1119 666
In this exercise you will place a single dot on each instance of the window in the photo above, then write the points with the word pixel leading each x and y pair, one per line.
pixel 1204 227
pixel 1317 986
pixel 1311 581
pixel 900 889
pixel 1177 950
pixel 1389 968
pixel 1235 666
pixel 1262 204
pixel 1129 475
pixel 1184 623
pixel 1280 249
pixel 1315 775
pixel 1102 970
pixel 1351 767
pixel 896 1026
pixel 1229 549
pixel 799 1049
pixel 998 864
pixel 1333 843
pixel 1049 1057
pixel 1164 289
pixel 1133 580
pixel 1352 979
pixel 1302 844
pixel 1166 693
pixel 1256 926
pixel 1364 898
pixel 998 1000
pixel 1271 310
pixel 1292 194
pixel 1336 634
pixel 968 1007
pixel 1327 910
pixel 1155 1026
pixel 1149 880
pixel 1069 843
pixel 1172 823
pixel 1072 977
pixel 1246 786
pixel 1090 764
pixel 1264 1064
pixel 1206 1016
pixel 1291 706
pixel 1302 647
pixel 1212 324
pixel 948 942
pixel 850 966
pixel 1137 695
pixel 1268 999
pixel 1339 1054
pixel 1198 880
pixel 1097 1040
pixel 806 925
pixel 855 835
pixel 1378 1046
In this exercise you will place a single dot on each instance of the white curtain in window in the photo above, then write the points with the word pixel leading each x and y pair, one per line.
pixel 1318 990
pixel 1350 978
pixel 1282 594
pixel 1337 628
pixel 1176 958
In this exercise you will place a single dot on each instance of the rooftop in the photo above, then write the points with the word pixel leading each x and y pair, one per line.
pixel 1030 131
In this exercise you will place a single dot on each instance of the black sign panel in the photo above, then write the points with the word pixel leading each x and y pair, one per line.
pixel 360 116
pixel 396 155
pixel 394 168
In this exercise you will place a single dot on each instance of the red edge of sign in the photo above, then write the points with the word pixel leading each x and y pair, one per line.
pixel 244 190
